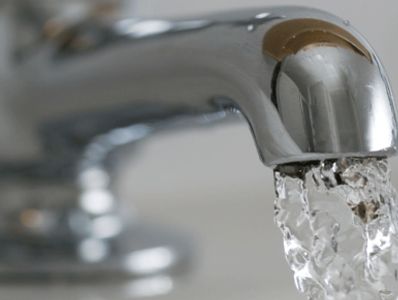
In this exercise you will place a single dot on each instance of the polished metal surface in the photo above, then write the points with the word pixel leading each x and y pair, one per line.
pixel 75 87
pixel 331 100
pixel 102 74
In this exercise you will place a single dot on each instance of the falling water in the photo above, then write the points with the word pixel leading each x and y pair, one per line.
pixel 339 221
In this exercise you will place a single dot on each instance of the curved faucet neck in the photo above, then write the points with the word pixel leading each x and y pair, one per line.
pixel 104 73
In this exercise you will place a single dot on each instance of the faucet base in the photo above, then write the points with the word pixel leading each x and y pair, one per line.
pixel 140 251
pixel 53 228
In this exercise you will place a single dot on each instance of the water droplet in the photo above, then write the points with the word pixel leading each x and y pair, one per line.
pixel 346 22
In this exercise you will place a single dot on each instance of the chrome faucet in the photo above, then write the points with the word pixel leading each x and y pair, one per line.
pixel 75 87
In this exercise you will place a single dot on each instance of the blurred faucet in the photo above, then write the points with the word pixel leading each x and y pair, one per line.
pixel 81 81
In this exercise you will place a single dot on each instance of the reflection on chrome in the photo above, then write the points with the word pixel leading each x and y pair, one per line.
pixel 149 287
pixel 150 261
pixel 263 15
pixel 96 201
pixel 93 178
pixel 106 227
pixel 139 29
pixel 37 221
pixel 93 250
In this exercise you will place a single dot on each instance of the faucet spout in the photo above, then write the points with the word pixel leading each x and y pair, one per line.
pixel 308 84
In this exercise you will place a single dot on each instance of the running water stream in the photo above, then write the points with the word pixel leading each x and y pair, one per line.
pixel 339 221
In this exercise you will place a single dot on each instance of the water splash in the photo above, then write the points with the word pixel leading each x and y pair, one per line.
pixel 339 221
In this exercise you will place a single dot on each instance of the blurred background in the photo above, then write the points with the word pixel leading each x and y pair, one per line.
pixel 211 184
